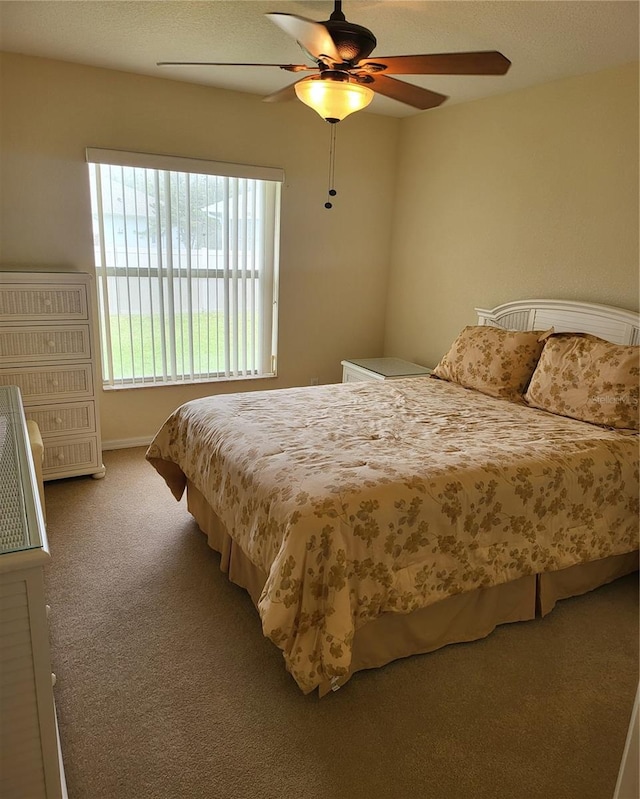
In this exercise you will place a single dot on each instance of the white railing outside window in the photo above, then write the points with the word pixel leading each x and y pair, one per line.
pixel 186 256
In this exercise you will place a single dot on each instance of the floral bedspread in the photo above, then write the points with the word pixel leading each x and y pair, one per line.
pixel 362 498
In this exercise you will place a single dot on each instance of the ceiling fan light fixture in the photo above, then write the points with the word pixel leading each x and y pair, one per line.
pixel 333 99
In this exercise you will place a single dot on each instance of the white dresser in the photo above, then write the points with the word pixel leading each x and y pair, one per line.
pixel 381 369
pixel 48 349
pixel 30 761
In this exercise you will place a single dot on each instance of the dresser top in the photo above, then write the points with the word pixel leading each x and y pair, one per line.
pixel 389 367
pixel 20 522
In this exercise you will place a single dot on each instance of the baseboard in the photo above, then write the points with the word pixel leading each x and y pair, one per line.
pixel 126 443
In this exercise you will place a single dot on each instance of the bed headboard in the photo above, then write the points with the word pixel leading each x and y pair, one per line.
pixel 605 321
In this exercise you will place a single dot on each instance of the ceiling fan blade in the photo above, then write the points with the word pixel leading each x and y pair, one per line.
pixel 288 67
pixel 283 95
pixel 488 62
pixel 313 36
pixel 405 92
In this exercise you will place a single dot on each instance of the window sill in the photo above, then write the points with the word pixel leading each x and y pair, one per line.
pixel 167 383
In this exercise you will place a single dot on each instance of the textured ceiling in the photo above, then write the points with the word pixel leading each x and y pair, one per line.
pixel 545 39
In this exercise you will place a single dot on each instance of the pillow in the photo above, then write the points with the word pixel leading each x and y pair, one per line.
pixel 492 360
pixel 587 378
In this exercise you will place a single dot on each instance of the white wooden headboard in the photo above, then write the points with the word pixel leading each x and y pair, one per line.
pixel 605 321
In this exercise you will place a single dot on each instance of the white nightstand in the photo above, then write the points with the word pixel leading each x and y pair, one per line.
pixel 380 369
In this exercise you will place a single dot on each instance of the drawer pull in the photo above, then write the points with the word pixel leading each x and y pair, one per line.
pixel 47 303
pixel 51 343
pixel 53 382
pixel 58 420
pixel 60 457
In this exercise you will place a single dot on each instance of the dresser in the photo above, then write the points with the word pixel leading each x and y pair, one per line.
pixel 30 760
pixel 381 369
pixel 48 349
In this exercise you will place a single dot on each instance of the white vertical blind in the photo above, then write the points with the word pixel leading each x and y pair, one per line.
pixel 186 264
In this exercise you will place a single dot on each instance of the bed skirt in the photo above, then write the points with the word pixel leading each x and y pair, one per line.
pixel 462 618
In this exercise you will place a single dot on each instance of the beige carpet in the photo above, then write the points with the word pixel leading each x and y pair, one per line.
pixel 167 690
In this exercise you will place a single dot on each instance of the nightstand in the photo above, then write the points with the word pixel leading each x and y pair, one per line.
pixel 380 369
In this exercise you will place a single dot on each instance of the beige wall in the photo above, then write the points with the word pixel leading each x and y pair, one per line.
pixel 333 263
pixel 525 195
pixel 531 194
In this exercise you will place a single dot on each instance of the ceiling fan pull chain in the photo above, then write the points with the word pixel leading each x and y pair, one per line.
pixel 332 163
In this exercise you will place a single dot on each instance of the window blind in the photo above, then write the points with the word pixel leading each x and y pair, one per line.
pixel 186 261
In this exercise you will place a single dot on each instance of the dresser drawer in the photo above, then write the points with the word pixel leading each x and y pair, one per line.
pixel 64 418
pixel 78 454
pixel 30 344
pixel 20 739
pixel 24 302
pixel 39 383
pixel 350 376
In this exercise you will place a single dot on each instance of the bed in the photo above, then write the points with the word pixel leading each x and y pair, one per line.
pixel 376 520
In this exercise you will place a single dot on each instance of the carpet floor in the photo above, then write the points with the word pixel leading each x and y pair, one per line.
pixel 166 688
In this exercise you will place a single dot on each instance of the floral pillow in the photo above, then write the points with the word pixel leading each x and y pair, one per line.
pixel 492 360
pixel 587 378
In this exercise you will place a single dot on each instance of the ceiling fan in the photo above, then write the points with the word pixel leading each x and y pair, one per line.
pixel 347 78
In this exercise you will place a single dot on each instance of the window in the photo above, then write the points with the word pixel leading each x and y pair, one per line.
pixel 186 256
